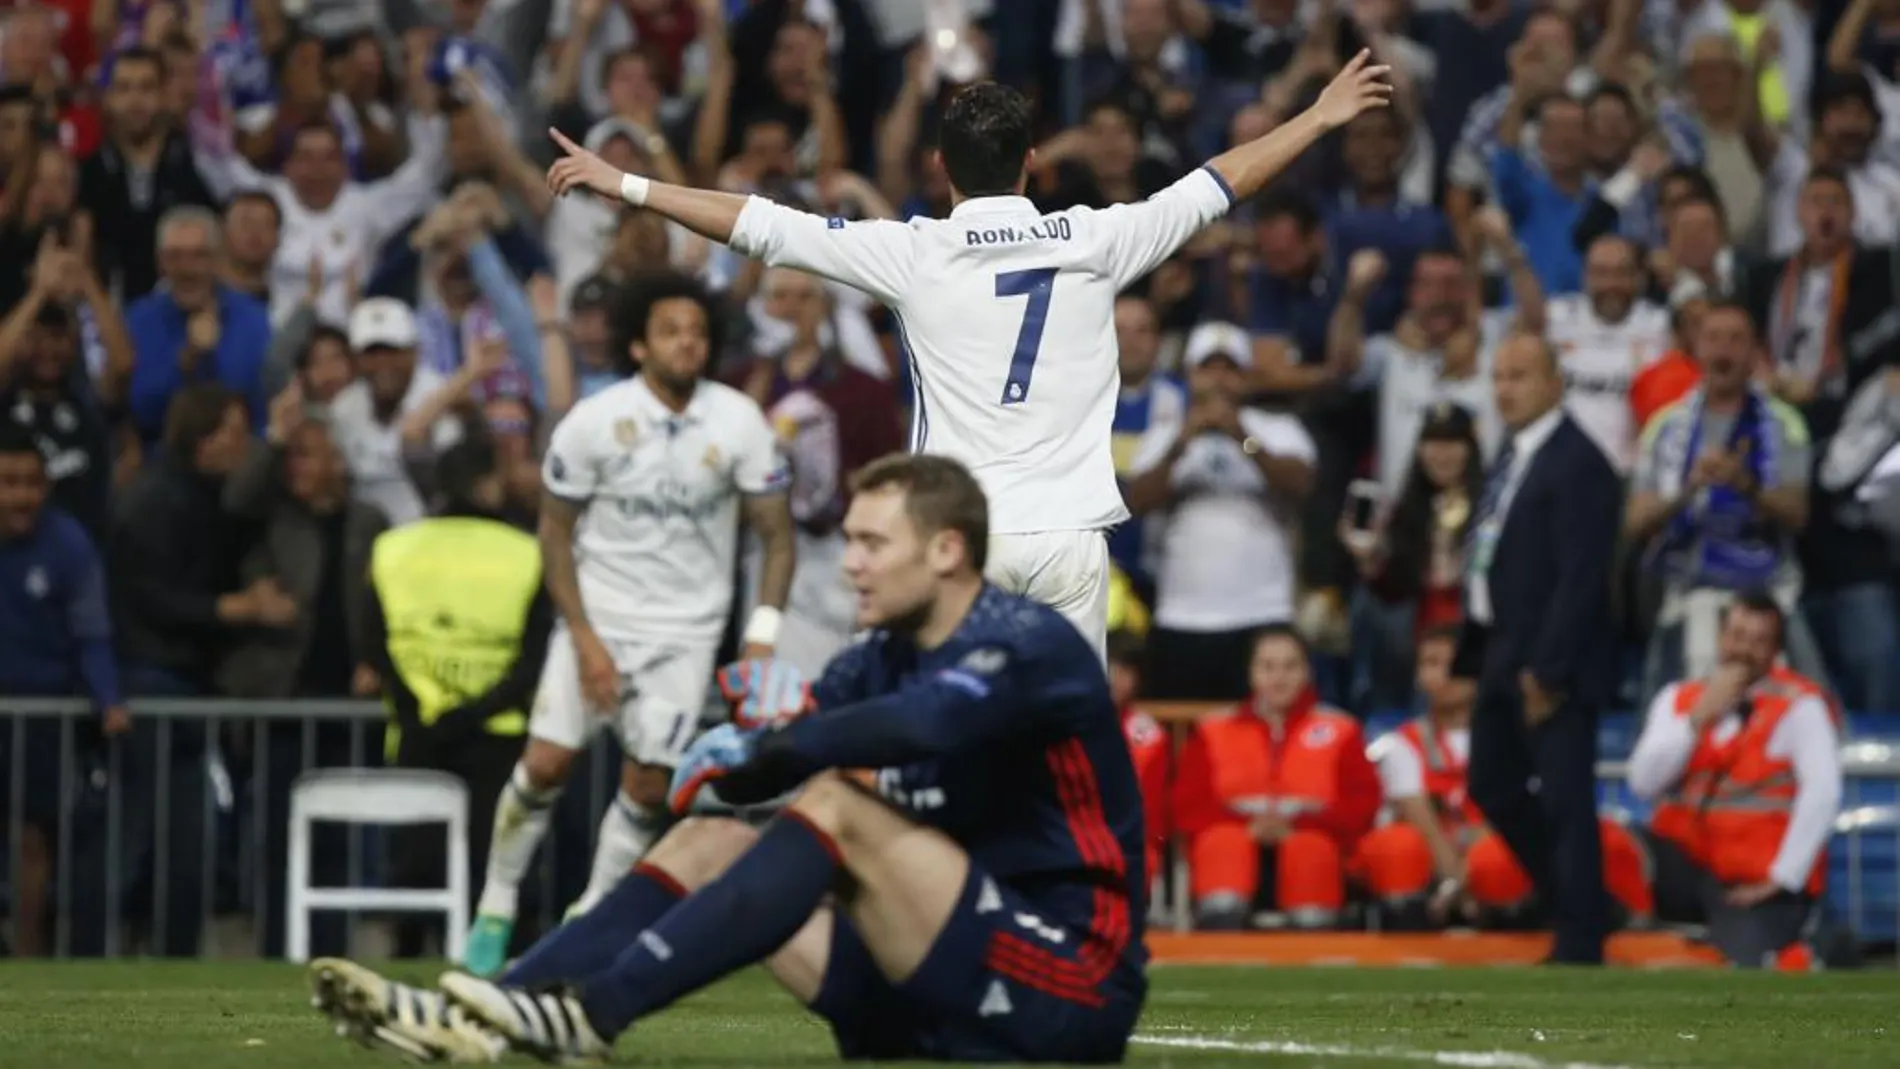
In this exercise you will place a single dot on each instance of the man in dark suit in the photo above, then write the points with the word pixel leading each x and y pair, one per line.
pixel 1538 640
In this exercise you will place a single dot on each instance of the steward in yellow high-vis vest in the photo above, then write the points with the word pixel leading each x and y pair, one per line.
pixel 458 624
pixel 458 596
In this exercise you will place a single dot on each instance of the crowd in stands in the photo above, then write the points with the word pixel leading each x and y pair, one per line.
pixel 262 261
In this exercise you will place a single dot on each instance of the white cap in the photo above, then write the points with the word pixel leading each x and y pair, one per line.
pixel 382 321
pixel 1218 339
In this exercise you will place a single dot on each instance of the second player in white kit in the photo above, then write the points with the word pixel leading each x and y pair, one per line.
pixel 1007 314
pixel 645 483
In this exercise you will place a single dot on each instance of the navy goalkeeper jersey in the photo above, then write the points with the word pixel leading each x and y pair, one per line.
pixel 1004 738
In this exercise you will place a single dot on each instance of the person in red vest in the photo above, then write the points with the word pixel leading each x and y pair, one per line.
pixel 1147 742
pixel 1433 858
pixel 1744 769
pixel 1273 796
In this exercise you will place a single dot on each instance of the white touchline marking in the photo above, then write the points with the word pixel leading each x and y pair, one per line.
pixel 1465 1059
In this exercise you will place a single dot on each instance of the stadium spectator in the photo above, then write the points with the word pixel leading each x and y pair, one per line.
pixel 483 164
pixel 173 559
pixel 1373 211
pixel 1743 765
pixel 1612 131
pixel 1605 336
pixel 803 348
pixel 1538 638
pixel 436 584
pixel 1442 348
pixel 367 416
pixel 1846 127
pixel 472 295
pixel 43 203
pixel 1413 864
pixel 1737 142
pixel 143 170
pixel 1412 559
pixel 1697 250
pixel 1855 465
pixel 1100 163
pixel 1149 398
pixel 1822 305
pixel 1719 494
pixel 253 225
pixel 1677 372
pixel 329 217
pixel 831 420
pixel 56 638
pixel 44 385
pixel 1148 744
pixel 1273 796
pixel 323 367
pixel 1229 479
pixel 193 329
pixel 314 544
pixel 587 335
pixel 1545 200
pixel 1292 295
pixel 780 87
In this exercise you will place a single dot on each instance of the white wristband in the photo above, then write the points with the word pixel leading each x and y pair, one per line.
pixel 761 628
pixel 633 189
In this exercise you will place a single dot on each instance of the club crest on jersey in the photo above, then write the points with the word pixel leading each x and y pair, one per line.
pixel 984 662
pixel 713 458
pixel 626 433
pixel 1318 734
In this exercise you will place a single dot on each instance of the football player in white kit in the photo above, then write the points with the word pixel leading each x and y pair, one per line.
pixel 646 483
pixel 1007 314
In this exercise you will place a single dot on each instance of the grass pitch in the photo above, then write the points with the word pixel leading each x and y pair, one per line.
pixel 249 1016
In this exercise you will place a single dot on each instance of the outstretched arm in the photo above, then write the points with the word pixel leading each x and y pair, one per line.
pixel 1359 85
pixel 705 212
pixel 874 256
pixel 1140 236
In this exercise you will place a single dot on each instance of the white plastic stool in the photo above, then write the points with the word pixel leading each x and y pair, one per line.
pixel 376 796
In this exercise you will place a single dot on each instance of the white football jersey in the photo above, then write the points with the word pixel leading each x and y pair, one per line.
pixel 1007 318
pixel 655 549
pixel 1599 362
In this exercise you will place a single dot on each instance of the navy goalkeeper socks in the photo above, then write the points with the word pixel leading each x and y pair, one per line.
pixel 590 942
pixel 734 921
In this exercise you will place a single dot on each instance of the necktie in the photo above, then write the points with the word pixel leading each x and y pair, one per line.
pixel 1494 486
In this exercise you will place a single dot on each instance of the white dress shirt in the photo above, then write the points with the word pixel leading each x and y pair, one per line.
pixel 1525 443
pixel 1805 738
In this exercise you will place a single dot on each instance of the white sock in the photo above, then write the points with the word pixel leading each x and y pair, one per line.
pixel 521 821
pixel 626 833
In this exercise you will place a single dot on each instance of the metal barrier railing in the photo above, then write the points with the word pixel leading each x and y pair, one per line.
pixel 143 842
pixel 183 821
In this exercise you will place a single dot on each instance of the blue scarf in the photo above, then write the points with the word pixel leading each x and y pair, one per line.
pixel 1720 540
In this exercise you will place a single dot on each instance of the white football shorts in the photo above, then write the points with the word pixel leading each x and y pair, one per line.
pixel 1065 570
pixel 663 692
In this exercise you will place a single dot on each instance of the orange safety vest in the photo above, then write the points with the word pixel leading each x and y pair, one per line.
pixel 1445 775
pixel 1731 808
pixel 1257 769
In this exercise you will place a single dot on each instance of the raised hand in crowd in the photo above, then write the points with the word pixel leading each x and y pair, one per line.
pixel 1494 228
pixel 202 332
pixel 1364 272
pixel 1650 159
pixel 287 414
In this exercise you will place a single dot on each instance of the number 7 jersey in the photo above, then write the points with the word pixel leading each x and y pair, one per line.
pixel 1007 317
